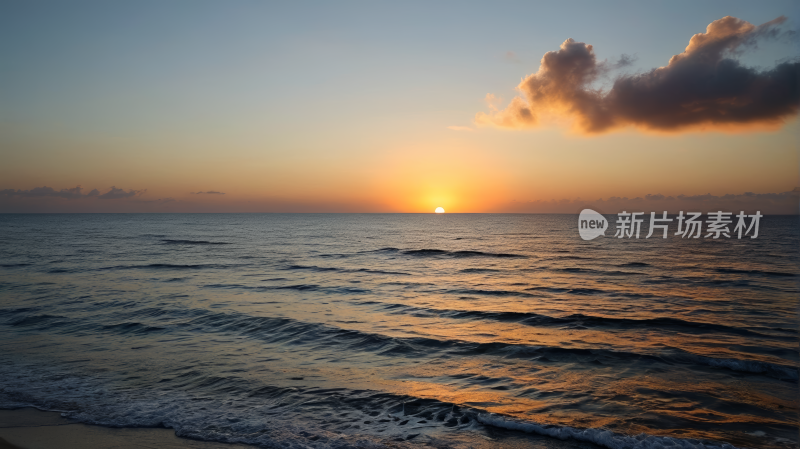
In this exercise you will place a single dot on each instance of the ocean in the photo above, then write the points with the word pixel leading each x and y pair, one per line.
pixel 401 330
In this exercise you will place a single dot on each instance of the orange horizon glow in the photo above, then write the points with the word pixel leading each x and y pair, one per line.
pixel 254 153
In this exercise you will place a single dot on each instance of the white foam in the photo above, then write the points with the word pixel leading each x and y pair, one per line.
pixel 233 419
pixel 601 437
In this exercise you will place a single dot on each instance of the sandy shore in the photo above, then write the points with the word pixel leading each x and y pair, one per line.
pixel 29 428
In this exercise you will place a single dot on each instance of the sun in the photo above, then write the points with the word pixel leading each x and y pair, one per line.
pixel 439 210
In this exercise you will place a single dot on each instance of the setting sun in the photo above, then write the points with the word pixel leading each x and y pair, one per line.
pixel 439 210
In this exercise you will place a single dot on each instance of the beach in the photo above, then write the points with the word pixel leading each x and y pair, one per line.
pixel 34 429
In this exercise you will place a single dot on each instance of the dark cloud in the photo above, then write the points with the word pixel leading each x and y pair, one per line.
pixel 703 86
pixel 768 203
pixel 73 193
pixel 115 194
pixel 210 192
pixel 45 191
pixel 625 61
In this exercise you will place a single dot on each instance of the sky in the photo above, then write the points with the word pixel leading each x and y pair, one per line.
pixel 251 106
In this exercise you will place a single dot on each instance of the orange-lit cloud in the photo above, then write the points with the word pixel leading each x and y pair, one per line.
pixel 115 194
pixel 703 87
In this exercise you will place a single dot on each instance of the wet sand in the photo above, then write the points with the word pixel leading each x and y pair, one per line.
pixel 29 428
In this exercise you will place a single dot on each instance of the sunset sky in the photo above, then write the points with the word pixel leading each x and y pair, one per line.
pixel 382 107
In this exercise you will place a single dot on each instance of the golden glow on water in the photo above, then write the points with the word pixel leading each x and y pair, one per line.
pixel 624 337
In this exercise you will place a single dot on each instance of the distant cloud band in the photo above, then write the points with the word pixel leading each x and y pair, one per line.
pixel 73 193
pixel 701 87
pixel 210 192
pixel 768 203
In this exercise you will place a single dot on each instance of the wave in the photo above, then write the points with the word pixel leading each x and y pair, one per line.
pixel 557 290
pixel 191 242
pixel 573 291
pixel 755 272
pixel 133 328
pixel 457 254
pixel 262 416
pixel 600 437
pixel 424 346
pixel 280 330
pixel 600 272
pixel 274 416
pixel 307 287
pixel 297 287
pixel 481 292
pixel 172 266
pixel 344 270
pixel 707 281
pixel 780 372
pixel 37 320
pixel 586 321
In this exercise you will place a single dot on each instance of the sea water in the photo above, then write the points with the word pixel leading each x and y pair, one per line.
pixel 351 330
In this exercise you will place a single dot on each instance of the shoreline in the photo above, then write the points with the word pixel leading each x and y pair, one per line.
pixel 30 428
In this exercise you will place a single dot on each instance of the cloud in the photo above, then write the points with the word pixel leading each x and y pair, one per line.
pixel 460 128
pixel 73 193
pixel 624 61
pixel 701 87
pixel 45 191
pixel 210 192
pixel 159 201
pixel 767 203
pixel 115 194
